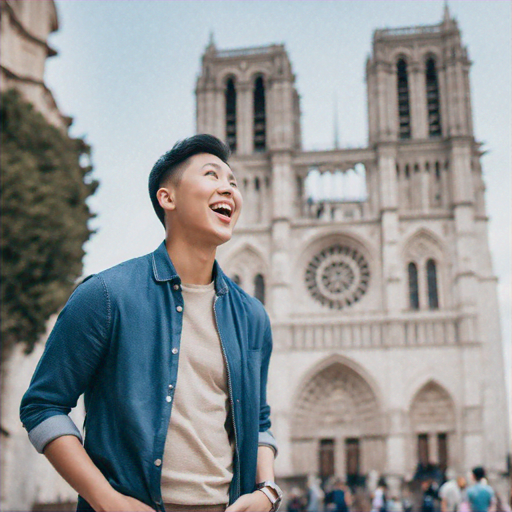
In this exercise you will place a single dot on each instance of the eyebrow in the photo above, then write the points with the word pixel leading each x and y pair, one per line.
pixel 231 176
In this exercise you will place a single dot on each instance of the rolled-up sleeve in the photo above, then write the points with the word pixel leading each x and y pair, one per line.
pixel 266 437
pixel 72 355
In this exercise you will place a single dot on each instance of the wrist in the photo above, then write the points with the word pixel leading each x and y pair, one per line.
pixel 264 500
pixel 105 499
pixel 273 493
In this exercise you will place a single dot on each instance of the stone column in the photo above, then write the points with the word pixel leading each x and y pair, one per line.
pixel 282 197
pixel 244 116
pixel 388 192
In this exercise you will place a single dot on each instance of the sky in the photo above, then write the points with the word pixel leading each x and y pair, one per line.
pixel 126 73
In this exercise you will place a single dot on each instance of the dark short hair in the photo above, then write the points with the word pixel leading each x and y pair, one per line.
pixel 168 164
pixel 478 473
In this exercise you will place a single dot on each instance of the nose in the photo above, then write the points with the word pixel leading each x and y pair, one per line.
pixel 225 189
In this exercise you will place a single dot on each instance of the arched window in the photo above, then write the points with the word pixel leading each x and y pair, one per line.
pixel 259 288
pixel 433 301
pixel 260 142
pixel 236 279
pixel 231 114
pixel 404 118
pixel 434 114
pixel 414 300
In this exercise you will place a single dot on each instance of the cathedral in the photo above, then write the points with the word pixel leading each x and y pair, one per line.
pixel 387 347
pixel 373 263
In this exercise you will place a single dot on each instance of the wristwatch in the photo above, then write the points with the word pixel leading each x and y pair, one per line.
pixel 265 487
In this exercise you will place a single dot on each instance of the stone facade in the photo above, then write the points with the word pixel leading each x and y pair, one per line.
pixel 24 49
pixel 387 345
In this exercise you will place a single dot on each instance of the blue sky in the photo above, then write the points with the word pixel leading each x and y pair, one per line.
pixel 126 73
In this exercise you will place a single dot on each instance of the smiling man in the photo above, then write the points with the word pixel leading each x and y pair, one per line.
pixel 172 358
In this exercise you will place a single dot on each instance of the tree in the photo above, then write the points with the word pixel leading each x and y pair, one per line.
pixel 44 219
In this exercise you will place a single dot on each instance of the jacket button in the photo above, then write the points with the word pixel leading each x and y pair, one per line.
pixel 179 309
pixel 176 286
pixel 171 386
pixel 168 398
pixel 158 462
pixel 174 350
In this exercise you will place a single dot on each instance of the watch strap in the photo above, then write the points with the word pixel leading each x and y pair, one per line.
pixel 270 496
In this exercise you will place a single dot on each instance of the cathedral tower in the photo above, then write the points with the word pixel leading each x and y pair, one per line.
pixel 383 302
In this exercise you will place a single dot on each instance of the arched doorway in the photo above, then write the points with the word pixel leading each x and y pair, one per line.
pixel 432 417
pixel 336 426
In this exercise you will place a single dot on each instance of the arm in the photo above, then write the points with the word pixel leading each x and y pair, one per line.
pixel 257 501
pixel 74 351
pixel 69 458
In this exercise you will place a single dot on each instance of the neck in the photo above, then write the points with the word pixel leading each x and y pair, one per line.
pixel 193 263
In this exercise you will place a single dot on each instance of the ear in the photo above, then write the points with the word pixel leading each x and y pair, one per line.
pixel 165 196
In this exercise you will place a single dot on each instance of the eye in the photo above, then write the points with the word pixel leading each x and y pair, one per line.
pixel 233 184
pixel 211 172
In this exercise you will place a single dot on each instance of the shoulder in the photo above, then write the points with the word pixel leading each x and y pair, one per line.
pixel 119 276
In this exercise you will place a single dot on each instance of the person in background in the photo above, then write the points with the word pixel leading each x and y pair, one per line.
pixel 395 505
pixel 315 495
pixel 340 498
pixel 430 496
pixel 480 495
pixel 450 493
pixel 379 496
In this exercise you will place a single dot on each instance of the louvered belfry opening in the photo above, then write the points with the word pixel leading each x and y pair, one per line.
pixel 414 299
pixel 404 117
pixel 260 142
pixel 434 115
pixel 231 114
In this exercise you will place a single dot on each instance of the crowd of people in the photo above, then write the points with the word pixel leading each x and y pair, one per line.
pixel 449 493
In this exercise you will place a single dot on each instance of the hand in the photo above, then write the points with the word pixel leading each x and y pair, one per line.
pixel 254 502
pixel 120 503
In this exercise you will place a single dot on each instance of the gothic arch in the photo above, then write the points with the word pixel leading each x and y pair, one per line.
pixel 401 53
pixel 424 250
pixel 247 262
pixel 336 397
pixel 426 238
pixel 431 52
pixel 255 71
pixel 317 240
pixel 422 381
pixel 227 73
pixel 432 409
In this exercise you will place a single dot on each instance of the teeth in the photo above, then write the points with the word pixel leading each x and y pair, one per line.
pixel 222 205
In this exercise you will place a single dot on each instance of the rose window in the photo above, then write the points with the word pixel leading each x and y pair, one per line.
pixel 338 276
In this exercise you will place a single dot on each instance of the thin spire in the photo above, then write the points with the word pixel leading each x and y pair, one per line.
pixel 335 123
pixel 446 15
pixel 211 41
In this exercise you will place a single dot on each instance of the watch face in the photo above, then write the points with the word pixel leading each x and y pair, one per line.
pixel 337 276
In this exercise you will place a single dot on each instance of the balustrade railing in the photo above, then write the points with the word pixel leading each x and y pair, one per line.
pixel 375 333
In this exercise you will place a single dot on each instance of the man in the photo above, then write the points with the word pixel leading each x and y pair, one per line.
pixel 450 493
pixel 480 495
pixel 172 358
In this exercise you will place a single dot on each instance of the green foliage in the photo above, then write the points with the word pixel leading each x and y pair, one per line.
pixel 44 219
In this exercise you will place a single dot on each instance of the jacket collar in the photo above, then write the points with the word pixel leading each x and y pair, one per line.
pixel 164 270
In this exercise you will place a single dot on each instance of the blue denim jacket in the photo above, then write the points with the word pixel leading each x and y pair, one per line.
pixel 117 340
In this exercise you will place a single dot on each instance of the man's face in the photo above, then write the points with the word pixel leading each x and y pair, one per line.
pixel 207 201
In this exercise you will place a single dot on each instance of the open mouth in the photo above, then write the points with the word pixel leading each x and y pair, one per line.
pixel 223 209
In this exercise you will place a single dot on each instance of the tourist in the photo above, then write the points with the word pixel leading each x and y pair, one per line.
pixel 379 498
pixel 315 495
pixel 450 493
pixel 340 498
pixel 480 495
pixel 172 357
